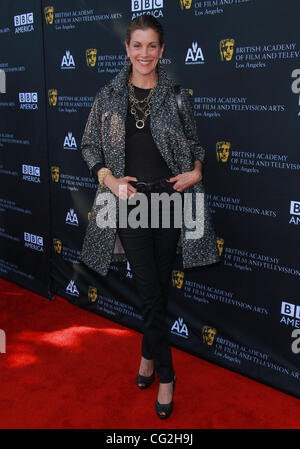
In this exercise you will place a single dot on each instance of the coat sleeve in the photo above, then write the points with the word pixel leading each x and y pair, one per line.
pixel 190 128
pixel 91 140
pixel 96 168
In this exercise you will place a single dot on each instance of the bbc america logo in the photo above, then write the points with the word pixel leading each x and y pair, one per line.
pixel 295 212
pixel 23 19
pixel 24 22
pixel 34 241
pixel 291 314
pixel 291 317
pixel 28 100
pixel 153 7
pixel 295 207
pixel 31 173
pixel 146 5
pixel 31 170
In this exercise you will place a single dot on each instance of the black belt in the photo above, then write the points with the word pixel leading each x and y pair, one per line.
pixel 147 186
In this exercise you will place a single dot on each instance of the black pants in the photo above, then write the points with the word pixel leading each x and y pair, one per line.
pixel 151 253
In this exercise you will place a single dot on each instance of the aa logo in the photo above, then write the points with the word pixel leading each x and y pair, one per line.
pixel 91 57
pixel 49 14
pixel 177 278
pixel 208 335
pixel 92 293
pixel 70 142
pixel 186 4
pixel 222 151
pixel 180 328
pixel 71 217
pixel 52 97
pixel 71 289
pixel 57 245
pixel 55 174
pixel 67 61
pixel 194 55
pixel 220 244
pixel 226 49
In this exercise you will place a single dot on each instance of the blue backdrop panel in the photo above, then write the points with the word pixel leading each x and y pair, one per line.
pixel 24 197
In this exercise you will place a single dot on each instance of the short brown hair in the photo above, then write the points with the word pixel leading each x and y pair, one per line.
pixel 143 22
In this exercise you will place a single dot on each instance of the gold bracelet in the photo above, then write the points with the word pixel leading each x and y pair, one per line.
pixel 102 173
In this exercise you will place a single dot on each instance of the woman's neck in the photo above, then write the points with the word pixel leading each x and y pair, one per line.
pixel 144 81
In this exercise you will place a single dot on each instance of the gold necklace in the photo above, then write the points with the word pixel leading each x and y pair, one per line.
pixel 138 104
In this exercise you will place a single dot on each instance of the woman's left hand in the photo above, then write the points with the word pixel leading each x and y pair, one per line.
pixel 186 180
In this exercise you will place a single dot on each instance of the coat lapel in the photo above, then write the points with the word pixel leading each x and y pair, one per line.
pixel 119 106
pixel 162 88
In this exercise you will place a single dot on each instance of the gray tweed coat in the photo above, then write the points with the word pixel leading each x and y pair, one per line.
pixel 103 142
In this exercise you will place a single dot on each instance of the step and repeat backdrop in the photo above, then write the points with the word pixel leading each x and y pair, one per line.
pixel 239 59
pixel 24 168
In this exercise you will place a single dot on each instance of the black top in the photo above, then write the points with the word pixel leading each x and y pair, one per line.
pixel 142 157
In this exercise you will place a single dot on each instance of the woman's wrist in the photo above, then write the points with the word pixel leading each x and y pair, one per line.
pixel 197 170
pixel 198 166
pixel 102 175
pixel 107 178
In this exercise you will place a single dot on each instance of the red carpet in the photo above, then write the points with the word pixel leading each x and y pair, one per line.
pixel 65 367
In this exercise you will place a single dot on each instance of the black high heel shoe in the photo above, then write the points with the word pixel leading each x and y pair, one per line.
pixel 165 408
pixel 147 381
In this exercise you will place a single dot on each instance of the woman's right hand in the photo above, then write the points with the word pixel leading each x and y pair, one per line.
pixel 120 186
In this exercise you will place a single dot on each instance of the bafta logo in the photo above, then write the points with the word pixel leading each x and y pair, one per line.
pixel 177 278
pixel 92 293
pixel 91 57
pixel 191 92
pixel 226 49
pixel 222 150
pixel 57 245
pixel 52 96
pixel 49 14
pixel 55 174
pixel 186 4
pixel 208 335
pixel 220 244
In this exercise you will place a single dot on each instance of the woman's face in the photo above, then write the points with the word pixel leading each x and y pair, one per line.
pixel 144 51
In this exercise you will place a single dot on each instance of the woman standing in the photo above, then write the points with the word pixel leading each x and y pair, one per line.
pixel 134 142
